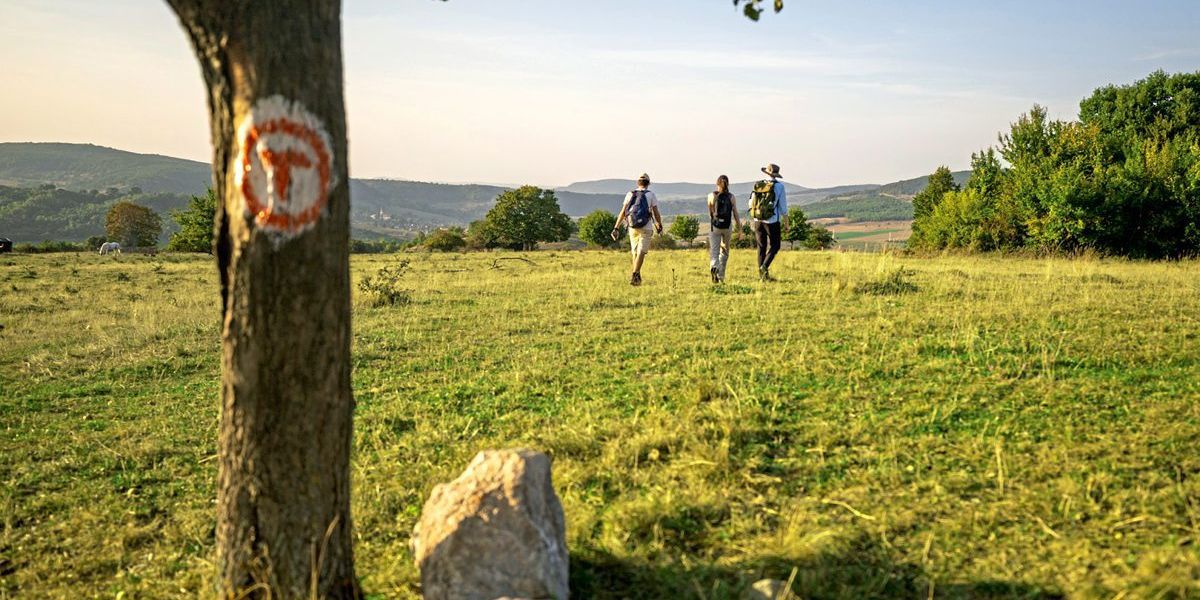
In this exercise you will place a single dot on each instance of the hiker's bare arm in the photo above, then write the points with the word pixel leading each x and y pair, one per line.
pixel 657 219
pixel 737 218
pixel 620 218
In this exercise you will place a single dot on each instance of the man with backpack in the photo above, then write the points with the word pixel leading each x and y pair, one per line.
pixel 768 212
pixel 722 212
pixel 640 213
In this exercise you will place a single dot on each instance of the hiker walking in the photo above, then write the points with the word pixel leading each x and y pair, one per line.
pixel 722 212
pixel 638 210
pixel 768 211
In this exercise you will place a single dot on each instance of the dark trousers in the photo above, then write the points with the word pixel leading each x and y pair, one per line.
pixel 769 238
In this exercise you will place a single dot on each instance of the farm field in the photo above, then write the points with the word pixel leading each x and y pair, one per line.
pixel 870 426
pixel 872 235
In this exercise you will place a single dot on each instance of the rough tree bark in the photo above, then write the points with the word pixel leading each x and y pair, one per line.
pixel 274 75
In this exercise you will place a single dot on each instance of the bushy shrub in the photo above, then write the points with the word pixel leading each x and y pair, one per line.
pixel 594 229
pixel 744 237
pixel 818 238
pixel 663 241
pixel 446 240
pixel 376 246
pixel 685 228
pixel 891 283
pixel 48 247
pixel 1124 179
pixel 384 288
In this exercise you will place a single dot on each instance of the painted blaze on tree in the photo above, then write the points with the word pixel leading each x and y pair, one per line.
pixel 283 476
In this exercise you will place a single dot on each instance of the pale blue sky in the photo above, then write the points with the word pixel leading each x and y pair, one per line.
pixel 557 91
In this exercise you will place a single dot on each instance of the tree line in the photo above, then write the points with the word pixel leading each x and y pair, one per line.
pixel 1123 179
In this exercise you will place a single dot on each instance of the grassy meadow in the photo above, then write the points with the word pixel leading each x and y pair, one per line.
pixel 870 426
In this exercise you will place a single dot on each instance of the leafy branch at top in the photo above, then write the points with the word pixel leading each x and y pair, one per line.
pixel 753 8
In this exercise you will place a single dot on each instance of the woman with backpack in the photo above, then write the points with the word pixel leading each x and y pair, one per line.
pixel 723 213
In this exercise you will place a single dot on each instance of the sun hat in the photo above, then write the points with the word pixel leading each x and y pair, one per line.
pixel 644 177
pixel 771 170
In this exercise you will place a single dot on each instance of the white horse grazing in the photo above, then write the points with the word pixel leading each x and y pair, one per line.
pixel 110 248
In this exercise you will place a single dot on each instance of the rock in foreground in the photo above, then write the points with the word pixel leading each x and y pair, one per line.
pixel 496 531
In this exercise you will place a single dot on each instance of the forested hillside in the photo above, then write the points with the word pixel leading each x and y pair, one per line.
pixel 62 191
pixel 49 213
pixel 88 167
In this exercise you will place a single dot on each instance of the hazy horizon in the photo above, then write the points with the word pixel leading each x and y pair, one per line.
pixel 471 91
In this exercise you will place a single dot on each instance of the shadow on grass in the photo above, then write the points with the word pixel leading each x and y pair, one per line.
pixel 862 571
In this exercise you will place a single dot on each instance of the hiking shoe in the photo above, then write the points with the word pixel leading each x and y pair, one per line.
pixel 716 277
pixel 635 279
pixel 765 275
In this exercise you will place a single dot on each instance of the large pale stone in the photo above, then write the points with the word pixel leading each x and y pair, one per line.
pixel 496 531
pixel 769 589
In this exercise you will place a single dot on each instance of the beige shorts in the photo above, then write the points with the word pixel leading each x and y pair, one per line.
pixel 639 239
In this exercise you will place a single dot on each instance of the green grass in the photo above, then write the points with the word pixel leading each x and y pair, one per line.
pixel 885 427
pixel 854 235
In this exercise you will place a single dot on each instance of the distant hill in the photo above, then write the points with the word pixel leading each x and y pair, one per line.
pixel 888 202
pixel 50 213
pixel 911 187
pixel 62 192
pixel 868 206
pixel 88 167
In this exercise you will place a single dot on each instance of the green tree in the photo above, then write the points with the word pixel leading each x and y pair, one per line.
pixel 818 238
pixel 798 227
pixel 133 225
pixel 596 227
pixel 195 225
pixel 940 182
pixel 446 240
pixel 685 228
pixel 526 216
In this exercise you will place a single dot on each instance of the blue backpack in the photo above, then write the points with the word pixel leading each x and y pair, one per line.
pixel 639 209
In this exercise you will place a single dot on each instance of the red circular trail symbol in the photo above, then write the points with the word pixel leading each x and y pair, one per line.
pixel 284 172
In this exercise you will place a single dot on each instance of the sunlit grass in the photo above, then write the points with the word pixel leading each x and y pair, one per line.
pixel 886 426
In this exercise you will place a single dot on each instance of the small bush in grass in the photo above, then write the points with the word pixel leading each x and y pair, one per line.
pixel 384 287
pixel 892 283
pixel 663 241
pixel 744 238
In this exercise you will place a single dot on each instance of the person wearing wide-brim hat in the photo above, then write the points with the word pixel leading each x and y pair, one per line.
pixel 640 213
pixel 768 214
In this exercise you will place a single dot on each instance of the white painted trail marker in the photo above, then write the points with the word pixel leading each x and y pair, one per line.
pixel 284 166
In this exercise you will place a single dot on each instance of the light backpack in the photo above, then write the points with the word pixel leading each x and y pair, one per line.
pixel 639 209
pixel 763 201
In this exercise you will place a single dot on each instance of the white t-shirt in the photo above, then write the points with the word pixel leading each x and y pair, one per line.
pixel 651 199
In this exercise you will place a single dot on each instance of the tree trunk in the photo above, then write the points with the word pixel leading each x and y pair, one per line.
pixel 274 75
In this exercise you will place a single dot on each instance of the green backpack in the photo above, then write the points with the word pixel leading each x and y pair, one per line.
pixel 763 201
